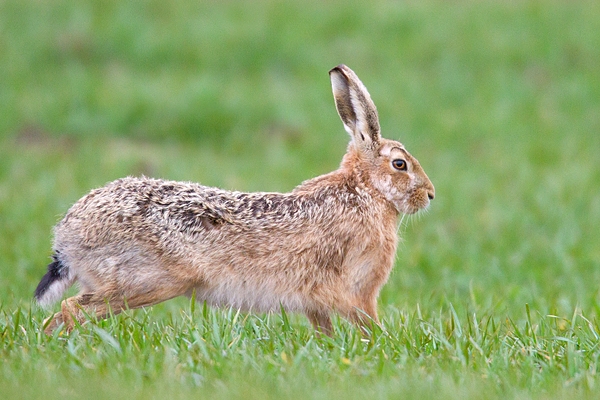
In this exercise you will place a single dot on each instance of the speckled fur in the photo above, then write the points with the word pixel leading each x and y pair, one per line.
pixel 329 245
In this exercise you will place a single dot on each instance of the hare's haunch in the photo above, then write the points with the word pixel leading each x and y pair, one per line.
pixel 329 245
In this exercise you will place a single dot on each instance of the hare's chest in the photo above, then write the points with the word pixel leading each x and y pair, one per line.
pixel 370 268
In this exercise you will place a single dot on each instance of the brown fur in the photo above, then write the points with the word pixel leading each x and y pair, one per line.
pixel 329 245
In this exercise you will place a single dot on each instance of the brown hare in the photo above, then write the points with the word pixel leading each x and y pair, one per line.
pixel 328 246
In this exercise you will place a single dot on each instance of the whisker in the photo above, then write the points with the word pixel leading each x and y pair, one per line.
pixel 400 224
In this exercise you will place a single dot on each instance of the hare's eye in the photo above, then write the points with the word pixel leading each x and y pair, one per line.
pixel 399 164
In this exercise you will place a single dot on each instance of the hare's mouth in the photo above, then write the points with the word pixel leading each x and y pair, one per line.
pixel 416 201
pixel 414 209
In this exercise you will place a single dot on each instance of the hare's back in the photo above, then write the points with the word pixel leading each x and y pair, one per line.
pixel 130 208
pixel 152 210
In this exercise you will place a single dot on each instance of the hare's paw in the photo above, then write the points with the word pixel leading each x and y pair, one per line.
pixel 53 323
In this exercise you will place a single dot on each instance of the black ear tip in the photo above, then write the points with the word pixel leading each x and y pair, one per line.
pixel 341 68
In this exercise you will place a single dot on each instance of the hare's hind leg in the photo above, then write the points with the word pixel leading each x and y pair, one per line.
pixel 77 308
pixel 69 309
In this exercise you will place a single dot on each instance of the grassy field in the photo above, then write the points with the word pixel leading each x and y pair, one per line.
pixel 496 289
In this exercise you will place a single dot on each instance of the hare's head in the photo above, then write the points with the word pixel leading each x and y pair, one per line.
pixel 383 164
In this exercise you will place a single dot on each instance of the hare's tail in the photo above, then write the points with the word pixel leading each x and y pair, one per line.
pixel 54 284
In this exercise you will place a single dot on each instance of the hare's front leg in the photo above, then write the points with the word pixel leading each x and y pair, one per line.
pixel 363 312
pixel 321 321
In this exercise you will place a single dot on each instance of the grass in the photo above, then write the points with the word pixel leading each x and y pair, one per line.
pixel 495 293
pixel 226 354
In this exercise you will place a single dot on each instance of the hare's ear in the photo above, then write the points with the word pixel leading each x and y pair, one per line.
pixel 355 107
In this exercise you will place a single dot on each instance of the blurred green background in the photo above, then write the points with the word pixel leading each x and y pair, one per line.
pixel 499 101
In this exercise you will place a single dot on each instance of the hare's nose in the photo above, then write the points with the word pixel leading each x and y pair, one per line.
pixel 430 194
